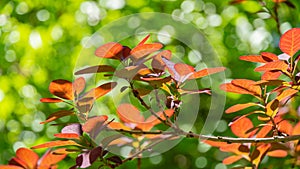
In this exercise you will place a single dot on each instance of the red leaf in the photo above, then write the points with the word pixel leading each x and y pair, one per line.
pixel 276 65
pixel 50 100
pixel 67 135
pixel 49 159
pixel 57 143
pixel 95 69
pixel 241 126
pixel 27 156
pixel 231 159
pixel 205 72
pixel 290 41
pixel 61 88
pixel 239 107
pixel 141 51
pixel 110 50
pixel 57 115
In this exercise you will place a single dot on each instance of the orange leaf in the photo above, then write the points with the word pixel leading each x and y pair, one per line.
pixel 241 126
pixel 205 72
pixel 50 100
pixel 110 50
pixel 94 123
pixel 271 75
pixel 129 114
pixel 144 40
pixel 117 125
pixel 290 41
pixel 285 127
pixel 263 58
pixel 57 143
pixel 95 69
pixel 286 93
pixel 61 88
pixel 157 63
pixel 277 153
pixel 10 167
pixel 296 130
pixel 67 135
pixel 99 91
pixel 152 120
pixel 49 159
pixel 239 107
pixel 141 51
pixel 231 159
pixel 276 65
pixel 228 87
pixel 78 85
pixel 27 156
pixel 57 115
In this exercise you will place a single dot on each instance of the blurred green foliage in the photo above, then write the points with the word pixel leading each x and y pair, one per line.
pixel 41 40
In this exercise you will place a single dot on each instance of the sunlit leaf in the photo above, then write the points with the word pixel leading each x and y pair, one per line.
pixel 263 58
pixel 242 86
pixel 56 143
pixel 261 150
pixel 57 115
pixel 286 93
pixel 99 91
pixel 296 130
pixel 290 41
pixel 50 100
pixel 271 75
pixel 241 126
pixel 231 159
pixel 276 65
pixel 49 158
pixel 96 69
pixel 205 72
pixel 152 120
pixel 10 167
pixel 113 50
pixel 67 135
pixel 239 107
pixel 61 88
pixel 141 51
pixel 27 156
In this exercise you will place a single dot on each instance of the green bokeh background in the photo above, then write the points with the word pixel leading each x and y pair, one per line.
pixel 41 40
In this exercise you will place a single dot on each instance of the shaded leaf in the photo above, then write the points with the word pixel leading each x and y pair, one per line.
pixel 115 159
pixel 272 108
pixel 73 128
pixel 96 69
pixel 50 100
pixel 94 123
pixel 57 115
pixel 112 50
pixel 129 114
pixel 262 150
pixel 290 41
pixel 98 91
pixel 61 88
pixel 157 63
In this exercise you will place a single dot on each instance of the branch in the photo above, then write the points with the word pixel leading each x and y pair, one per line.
pixel 244 140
